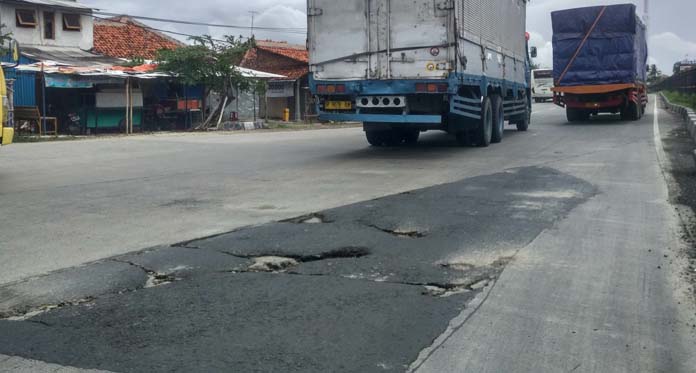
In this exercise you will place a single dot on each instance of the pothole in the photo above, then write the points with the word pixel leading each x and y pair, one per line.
pixel 436 291
pixel 400 232
pixel 26 314
pixel 309 219
pixel 342 253
pixel 277 262
pixel 459 266
pixel 158 279
pixel 272 264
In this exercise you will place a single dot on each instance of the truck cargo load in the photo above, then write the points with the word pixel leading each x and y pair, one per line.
pixel 600 58
pixel 615 52
pixel 404 67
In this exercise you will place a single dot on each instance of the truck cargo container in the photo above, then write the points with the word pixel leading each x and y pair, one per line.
pixel 404 67
pixel 600 61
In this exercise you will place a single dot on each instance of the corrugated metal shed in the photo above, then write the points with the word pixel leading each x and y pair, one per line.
pixel 24 87
pixel 68 56
pixel 25 83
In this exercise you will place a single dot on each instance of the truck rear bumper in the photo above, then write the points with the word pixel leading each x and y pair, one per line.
pixel 382 118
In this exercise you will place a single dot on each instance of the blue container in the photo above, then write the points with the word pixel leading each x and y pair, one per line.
pixel 616 51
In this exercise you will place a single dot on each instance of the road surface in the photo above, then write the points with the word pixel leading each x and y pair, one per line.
pixel 309 251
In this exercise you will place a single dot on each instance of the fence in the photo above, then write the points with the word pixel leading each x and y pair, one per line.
pixel 684 82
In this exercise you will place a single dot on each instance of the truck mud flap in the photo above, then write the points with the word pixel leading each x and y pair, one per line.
pixel 465 113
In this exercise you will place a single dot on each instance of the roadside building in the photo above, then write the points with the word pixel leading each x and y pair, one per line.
pixel 684 65
pixel 71 72
pixel 54 30
pixel 166 103
pixel 124 37
pixel 290 92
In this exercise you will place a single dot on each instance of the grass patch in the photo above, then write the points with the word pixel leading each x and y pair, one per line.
pixel 688 100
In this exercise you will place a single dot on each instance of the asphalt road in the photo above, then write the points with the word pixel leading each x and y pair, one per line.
pixel 553 252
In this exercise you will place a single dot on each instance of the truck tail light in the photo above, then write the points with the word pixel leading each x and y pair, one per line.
pixel 331 88
pixel 431 88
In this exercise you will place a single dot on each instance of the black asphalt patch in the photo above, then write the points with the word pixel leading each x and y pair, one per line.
pixel 360 287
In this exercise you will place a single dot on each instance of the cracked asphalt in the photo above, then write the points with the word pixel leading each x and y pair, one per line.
pixel 353 279
pixel 550 253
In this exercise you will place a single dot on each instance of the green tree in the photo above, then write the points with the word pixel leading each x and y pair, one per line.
pixel 5 39
pixel 654 75
pixel 210 63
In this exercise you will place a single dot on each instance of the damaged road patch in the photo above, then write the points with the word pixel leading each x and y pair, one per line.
pixel 362 287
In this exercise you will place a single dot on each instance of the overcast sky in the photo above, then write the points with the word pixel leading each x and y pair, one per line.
pixel 672 33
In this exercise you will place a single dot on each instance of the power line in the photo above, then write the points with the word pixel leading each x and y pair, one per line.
pixel 144 27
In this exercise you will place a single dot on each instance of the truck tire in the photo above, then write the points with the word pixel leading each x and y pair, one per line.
pixel 375 138
pixel 498 119
pixel 631 112
pixel 410 137
pixel 523 125
pixel 393 138
pixel 484 133
pixel 574 115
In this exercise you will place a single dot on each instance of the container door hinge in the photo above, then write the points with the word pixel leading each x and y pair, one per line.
pixel 315 12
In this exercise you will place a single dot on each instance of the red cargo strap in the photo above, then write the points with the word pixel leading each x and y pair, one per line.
pixel 577 52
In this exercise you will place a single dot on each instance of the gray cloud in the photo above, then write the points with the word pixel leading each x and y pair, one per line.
pixel 671 35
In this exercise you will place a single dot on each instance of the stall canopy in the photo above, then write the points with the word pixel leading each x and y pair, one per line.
pixel 146 71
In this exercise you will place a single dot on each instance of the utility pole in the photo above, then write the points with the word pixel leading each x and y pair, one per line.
pixel 646 14
pixel 253 16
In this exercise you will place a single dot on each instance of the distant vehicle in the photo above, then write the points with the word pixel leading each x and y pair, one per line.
pixel 600 61
pixel 542 85
pixel 404 67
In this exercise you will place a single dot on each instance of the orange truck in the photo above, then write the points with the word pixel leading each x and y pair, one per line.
pixel 600 62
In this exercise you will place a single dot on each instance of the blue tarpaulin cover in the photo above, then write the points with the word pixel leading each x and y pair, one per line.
pixel 616 51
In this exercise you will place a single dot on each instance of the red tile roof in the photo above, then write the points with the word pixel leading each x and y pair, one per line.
pixel 123 37
pixel 296 52
pixel 278 58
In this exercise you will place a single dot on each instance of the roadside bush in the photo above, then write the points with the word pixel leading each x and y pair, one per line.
pixel 682 99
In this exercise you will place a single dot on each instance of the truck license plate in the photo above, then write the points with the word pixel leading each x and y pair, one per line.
pixel 339 105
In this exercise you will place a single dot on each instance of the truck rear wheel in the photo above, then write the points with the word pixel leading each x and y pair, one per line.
pixel 376 138
pixel 410 137
pixel 523 124
pixel 484 133
pixel 574 115
pixel 631 112
pixel 498 119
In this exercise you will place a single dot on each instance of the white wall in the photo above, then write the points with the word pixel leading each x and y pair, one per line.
pixel 83 39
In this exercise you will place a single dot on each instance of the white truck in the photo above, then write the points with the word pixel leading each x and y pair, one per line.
pixel 404 67
pixel 542 85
